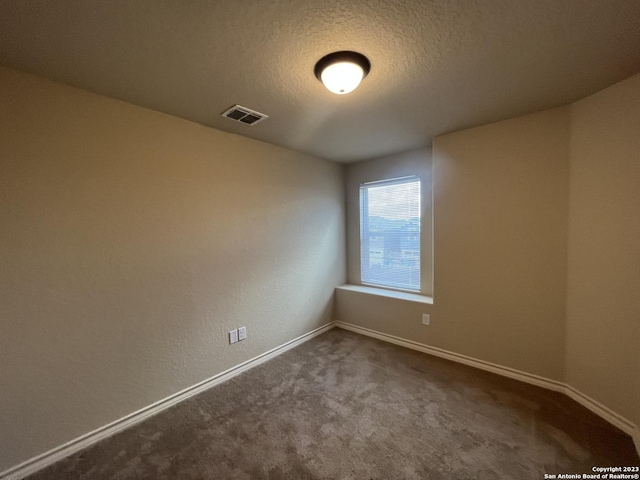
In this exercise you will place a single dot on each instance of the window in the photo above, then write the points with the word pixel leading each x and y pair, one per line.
pixel 390 233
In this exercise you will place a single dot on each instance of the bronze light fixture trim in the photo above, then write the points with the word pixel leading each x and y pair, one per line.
pixel 342 72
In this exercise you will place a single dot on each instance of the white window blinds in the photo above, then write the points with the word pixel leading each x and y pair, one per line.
pixel 390 233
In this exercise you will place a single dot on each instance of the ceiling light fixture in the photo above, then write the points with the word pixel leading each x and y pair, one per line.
pixel 342 72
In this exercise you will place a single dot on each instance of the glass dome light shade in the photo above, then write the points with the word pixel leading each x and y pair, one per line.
pixel 342 77
pixel 341 72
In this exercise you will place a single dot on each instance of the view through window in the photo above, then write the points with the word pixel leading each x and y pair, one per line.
pixel 390 233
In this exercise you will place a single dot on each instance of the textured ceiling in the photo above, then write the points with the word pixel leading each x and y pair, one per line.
pixel 437 66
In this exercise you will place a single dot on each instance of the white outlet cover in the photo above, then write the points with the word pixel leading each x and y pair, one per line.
pixel 233 336
pixel 426 318
pixel 242 333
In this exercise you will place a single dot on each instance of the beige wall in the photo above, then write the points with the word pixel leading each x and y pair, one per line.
pixel 536 248
pixel 500 224
pixel 131 243
pixel 603 321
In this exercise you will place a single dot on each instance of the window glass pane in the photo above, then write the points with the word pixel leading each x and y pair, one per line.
pixel 390 233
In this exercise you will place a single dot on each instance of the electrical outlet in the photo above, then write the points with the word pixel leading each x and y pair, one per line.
pixel 233 336
pixel 242 333
pixel 426 319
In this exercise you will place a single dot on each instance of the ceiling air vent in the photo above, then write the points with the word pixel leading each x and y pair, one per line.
pixel 244 115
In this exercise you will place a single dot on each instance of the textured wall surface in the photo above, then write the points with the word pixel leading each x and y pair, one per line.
pixel 500 227
pixel 131 242
pixel 500 223
pixel 524 211
pixel 437 66
pixel 603 326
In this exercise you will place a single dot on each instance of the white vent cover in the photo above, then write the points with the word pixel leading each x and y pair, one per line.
pixel 244 115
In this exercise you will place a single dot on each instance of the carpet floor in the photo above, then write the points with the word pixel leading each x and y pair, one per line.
pixel 345 406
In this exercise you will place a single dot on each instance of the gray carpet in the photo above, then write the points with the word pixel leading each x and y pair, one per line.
pixel 344 406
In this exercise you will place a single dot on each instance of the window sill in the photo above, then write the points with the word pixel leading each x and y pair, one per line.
pixel 411 297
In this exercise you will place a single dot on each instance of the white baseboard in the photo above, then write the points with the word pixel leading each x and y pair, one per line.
pixel 456 357
pixel 606 413
pixel 48 458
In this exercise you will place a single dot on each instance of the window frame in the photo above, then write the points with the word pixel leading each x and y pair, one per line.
pixel 363 198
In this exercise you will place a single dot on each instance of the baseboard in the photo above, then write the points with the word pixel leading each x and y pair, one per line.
pixel 48 458
pixel 456 357
pixel 606 413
